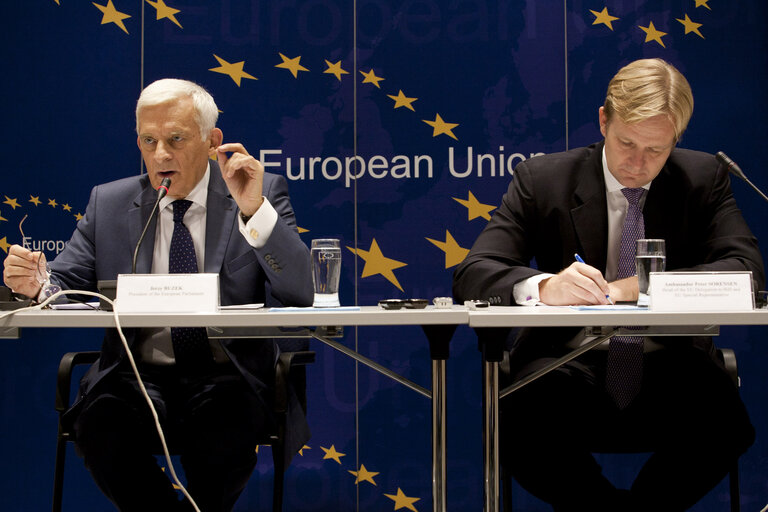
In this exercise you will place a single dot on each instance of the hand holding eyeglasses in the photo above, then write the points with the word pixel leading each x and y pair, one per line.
pixel 27 272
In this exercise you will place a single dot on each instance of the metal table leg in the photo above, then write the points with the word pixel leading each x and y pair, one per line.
pixel 439 491
pixel 491 435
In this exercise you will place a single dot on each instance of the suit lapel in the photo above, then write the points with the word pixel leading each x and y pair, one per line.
pixel 589 216
pixel 138 213
pixel 220 220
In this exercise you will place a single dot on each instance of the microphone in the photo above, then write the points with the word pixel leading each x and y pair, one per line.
pixel 162 190
pixel 736 171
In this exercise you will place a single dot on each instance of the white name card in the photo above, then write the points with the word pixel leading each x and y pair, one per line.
pixel 167 293
pixel 701 291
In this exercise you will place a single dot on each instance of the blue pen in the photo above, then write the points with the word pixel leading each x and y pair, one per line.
pixel 578 258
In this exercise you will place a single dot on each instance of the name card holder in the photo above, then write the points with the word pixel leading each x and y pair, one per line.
pixel 701 291
pixel 167 293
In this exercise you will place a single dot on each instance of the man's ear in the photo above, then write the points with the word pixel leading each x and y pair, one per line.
pixel 215 140
pixel 603 119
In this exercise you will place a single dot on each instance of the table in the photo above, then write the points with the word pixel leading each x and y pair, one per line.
pixel 321 324
pixel 492 326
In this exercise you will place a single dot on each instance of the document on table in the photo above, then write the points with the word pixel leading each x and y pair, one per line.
pixel 317 310
pixel 242 306
pixel 610 307
pixel 75 305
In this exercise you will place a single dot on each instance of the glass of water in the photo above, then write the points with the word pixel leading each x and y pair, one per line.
pixel 326 270
pixel 651 256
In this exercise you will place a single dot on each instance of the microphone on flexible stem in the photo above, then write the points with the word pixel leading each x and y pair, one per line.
pixel 736 171
pixel 162 190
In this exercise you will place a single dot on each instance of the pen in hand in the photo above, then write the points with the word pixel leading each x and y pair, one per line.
pixel 578 258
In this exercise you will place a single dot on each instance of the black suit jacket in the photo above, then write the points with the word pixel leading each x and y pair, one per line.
pixel 279 273
pixel 556 206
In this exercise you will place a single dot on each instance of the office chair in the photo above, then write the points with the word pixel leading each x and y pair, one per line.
pixel 289 369
pixel 729 360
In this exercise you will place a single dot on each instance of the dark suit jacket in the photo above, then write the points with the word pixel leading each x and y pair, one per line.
pixel 556 206
pixel 102 247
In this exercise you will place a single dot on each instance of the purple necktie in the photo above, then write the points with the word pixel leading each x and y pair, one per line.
pixel 190 344
pixel 624 369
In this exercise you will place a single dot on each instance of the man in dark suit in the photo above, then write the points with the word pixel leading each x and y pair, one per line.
pixel 582 201
pixel 234 220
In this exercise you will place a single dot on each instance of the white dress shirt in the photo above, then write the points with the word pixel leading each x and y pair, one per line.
pixel 154 344
pixel 526 292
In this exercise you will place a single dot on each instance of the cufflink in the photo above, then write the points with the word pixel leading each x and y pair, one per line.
pixel 254 234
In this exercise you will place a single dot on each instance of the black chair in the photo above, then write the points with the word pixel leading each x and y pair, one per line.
pixel 729 360
pixel 289 370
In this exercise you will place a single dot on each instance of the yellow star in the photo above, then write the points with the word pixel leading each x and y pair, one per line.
pixel 651 34
pixel 403 501
pixel 699 3
pixel 234 70
pixel 291 64
pixel 441 127
pixel 603 17
pixel 52 202
pixel 302 230
pixel 4 245
pixel 35 200
pixel 364 475
pixel 78 216
pixel 11 202
pixel 3 219
pixel 66 207
pixel 335 69
pixel 475 208
pixel 331 453
pixel 690 26
pixel 112 15
pixel 305 447
pixel 454 254
pixel 371 78
pixel 401 100
pixel 377 263
pixel 57 2
pixel 163 11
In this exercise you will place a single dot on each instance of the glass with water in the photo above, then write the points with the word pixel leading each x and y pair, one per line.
pixel 651 256
pixel 326 270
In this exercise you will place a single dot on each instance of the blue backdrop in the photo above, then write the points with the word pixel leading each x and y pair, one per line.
pixel 397 124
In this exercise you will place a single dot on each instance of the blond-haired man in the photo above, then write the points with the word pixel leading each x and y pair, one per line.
pixel 634 184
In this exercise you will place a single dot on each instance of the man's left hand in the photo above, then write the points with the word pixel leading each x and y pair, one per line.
pixel 244 176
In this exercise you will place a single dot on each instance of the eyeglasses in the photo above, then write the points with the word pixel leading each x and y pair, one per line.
pixel 403 303
pixel 43 271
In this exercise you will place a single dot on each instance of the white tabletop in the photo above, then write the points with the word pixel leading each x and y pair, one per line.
pixel 298 317
pixel 551 316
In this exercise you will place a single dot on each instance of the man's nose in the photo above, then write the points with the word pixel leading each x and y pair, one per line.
pixel 637 158
pixel 162 152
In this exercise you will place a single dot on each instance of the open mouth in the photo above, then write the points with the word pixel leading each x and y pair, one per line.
pixel 166 174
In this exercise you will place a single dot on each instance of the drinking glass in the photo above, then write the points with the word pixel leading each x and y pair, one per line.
pixel 651 256
pixel 326 270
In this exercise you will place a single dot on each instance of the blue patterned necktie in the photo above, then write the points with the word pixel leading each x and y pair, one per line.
pixel 190 344
pixel 624 368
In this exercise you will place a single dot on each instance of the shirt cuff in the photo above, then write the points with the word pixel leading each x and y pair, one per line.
pixel 259 226
pixel 526 292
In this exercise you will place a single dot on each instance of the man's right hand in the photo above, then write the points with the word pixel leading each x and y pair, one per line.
pixel 577 284
pixel 20 272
